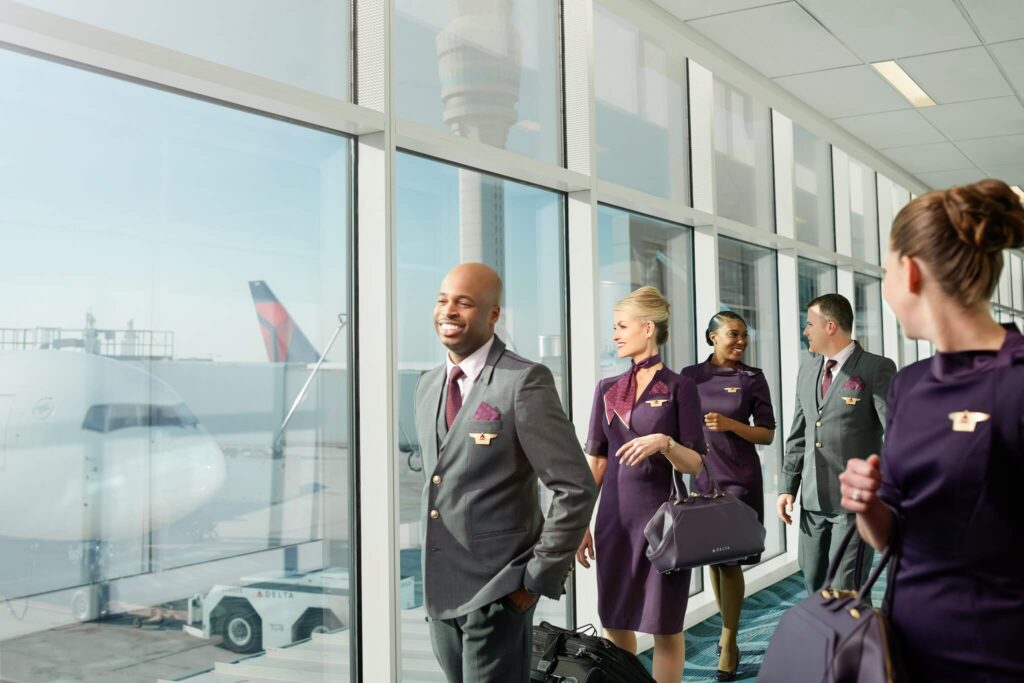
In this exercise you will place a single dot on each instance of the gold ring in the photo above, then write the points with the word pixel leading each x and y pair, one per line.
pixel 856 496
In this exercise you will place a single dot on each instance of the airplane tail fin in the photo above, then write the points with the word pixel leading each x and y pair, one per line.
pixel 284 340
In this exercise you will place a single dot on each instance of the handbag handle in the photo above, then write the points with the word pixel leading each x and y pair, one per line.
pixel 677 489
pixel 888 559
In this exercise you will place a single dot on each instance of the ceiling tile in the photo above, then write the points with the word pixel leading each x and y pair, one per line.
pixel 691 9
pixel 777 40
pixel 881 29
pixel 997 20
pixel 943 179
pixel 1011 57
pixel 998 151
pixel 977 119
pixel 939 156
pixel 892 129
pixel 1011 174
pixel 848 91
pixel 957 75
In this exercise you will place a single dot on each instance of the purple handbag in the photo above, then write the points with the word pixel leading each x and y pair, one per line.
pixel 699 529
pixel 833 636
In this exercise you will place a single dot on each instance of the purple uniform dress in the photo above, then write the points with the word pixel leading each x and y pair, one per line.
pixel 631 594
pixel 954 478
pixel 739 393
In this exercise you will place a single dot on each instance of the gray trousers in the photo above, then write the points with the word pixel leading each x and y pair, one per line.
pixel 820 535
pixel 488 645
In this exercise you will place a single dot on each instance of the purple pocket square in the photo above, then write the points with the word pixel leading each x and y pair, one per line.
pixel 486 412
pixel 659 388
pixel 854 384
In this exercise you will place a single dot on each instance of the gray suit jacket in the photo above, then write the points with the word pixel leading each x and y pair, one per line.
pixel 847 423
pixel 485 535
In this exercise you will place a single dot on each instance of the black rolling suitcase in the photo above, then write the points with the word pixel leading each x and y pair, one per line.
pixel 562 656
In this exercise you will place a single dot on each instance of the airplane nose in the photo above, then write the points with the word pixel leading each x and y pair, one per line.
pixel 187 472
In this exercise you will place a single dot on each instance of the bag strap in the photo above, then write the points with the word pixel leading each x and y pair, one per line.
pixel 677 487
pixel 833 565
pixel 547 661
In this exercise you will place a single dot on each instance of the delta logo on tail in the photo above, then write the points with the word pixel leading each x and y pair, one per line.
pixel 284 340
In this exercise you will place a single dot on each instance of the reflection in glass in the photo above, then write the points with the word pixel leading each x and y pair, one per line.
pixel 641 120
pixel 743 158
pixel 302 44
pixel 813 280
pixel 748 285
pixel 487 70
pixel 867 318
pixel 439 225
pixel 636 251
pixel 812 189
pixel 147 370
pixel 863 213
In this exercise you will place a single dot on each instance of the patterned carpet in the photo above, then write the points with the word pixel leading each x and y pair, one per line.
pixel 761 612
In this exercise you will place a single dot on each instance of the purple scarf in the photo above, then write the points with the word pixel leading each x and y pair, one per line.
pixel 619 399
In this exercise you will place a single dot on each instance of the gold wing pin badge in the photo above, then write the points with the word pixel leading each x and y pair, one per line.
pixel 732 390
pixel 967 420
pixel 483 439
pixel 851 400
pixel 657 402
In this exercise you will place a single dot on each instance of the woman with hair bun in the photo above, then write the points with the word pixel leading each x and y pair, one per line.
pixel 648 420
pixel 733 395
pixel 948 487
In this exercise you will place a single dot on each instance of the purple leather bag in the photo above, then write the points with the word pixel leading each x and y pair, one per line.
pixel 833 636
pixel 699 529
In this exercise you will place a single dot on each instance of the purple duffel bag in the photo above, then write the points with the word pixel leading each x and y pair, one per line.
pixel 834 636
pixel 700 529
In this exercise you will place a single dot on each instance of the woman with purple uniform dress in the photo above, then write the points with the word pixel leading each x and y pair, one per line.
pixel 732 395
pixel 953 462
pixel 648 420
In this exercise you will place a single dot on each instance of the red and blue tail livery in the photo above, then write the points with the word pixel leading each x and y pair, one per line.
pixel 284 340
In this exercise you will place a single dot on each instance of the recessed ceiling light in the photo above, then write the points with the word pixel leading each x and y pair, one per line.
pixel 1020 192
pixel 892 72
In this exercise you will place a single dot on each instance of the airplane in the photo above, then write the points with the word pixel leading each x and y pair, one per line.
pixel 284 340
pixel 93 448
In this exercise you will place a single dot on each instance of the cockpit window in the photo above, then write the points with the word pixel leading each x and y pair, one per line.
pixel 110 417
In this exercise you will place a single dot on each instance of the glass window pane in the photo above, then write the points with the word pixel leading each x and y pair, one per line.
pixel 302 44
pixel 641 127
pixel 1016 267
pixel 488 71
pixel 813 280
pixel 440 223
pixel 148 368
pixel 868 312
pixel 812 189
pixel 748 284
pixel 863 212
pixel 743 158
pixel 636 251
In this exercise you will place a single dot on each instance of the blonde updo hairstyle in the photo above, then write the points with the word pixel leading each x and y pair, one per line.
pixel 648 305
pixel 961 234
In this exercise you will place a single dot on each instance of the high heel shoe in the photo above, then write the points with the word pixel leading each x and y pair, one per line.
pixel 729 675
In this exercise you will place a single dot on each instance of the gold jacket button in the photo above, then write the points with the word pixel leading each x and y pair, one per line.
pixel 436 479
pixel 434 514
pixel 817 424
pixel 817 445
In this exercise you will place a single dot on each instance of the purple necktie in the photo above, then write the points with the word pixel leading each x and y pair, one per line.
pixel 826 380
pixel 454 402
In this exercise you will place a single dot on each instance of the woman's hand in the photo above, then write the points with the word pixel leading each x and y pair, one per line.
pixel 586 550
pixel 639 449
pixel 859 483
pixel 717 422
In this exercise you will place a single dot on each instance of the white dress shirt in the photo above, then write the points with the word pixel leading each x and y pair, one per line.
pixel 840 358
pixel 472 365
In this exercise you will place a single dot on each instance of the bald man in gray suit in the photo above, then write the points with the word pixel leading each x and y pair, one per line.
pixel 490 425
pixel 840 414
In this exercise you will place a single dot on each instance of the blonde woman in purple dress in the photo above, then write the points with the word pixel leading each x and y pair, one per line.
pixel 646 424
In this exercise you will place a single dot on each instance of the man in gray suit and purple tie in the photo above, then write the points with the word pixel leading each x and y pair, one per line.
pixel 490 425
pixel 840 414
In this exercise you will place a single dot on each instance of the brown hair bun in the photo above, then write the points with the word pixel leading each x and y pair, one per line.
pixel 986 215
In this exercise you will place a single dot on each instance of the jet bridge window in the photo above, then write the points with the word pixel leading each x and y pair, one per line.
pixel 111 417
